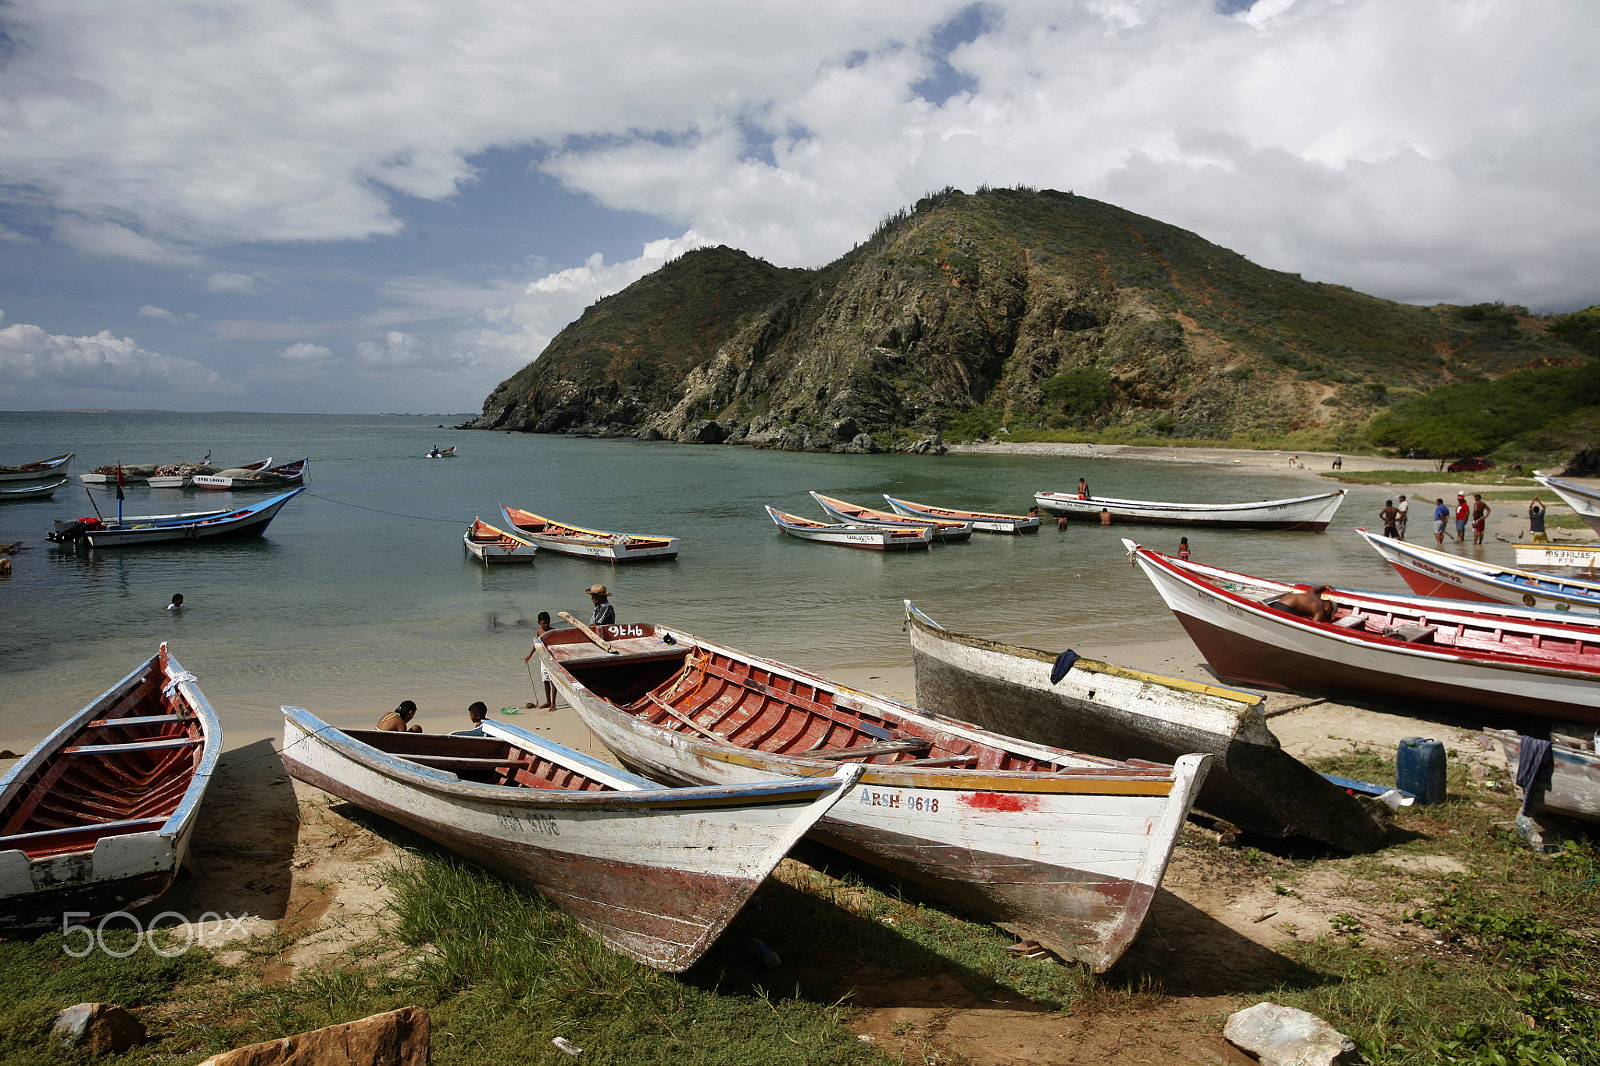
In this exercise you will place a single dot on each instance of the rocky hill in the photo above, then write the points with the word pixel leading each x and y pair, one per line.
pixel 1006 307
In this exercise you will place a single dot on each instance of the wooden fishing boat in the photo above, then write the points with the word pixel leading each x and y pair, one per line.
pixel 1310 513
pixel 179 475
pixel 97 532
pixel 1058 847
pixel 97 818
pixel 1559 556
pixel 31 492
pixel 492 545
pixel 655 873
pixel 1581 498
pixel 982 521
pixel 1401 650
pixel 1101 709
pixel 131 472
pixel 1435 573
pixel 34 471
pixel 568 539
pixel 854 535
pixel 264 477
pixel 943 529
pixel 1573 788
pixel 440 453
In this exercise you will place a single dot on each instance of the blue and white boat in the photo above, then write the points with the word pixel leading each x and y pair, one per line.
pixel 98 532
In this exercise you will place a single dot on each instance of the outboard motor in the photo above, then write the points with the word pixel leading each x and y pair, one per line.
pixel 73 530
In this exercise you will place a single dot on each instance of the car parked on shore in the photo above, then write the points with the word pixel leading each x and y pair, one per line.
pixel 1461 466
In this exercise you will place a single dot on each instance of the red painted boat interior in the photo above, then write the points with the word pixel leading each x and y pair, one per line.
pixel 108 780
pixel 485 760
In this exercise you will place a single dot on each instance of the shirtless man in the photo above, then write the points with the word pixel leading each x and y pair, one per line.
pixel 1309 604
pixel 1480 517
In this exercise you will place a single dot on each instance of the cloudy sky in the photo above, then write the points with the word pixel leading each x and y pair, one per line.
pixel 360 206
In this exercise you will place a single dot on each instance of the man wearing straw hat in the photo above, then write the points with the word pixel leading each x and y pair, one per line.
pixel 604 613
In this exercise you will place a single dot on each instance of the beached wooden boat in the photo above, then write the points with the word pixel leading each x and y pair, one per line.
pixel 982 521
pixel 166 528
pixel 842 511
pixel 1430 572
pixel 1573 788
pixel 1101 709
pixel 1560 556
pixel 263 477
pixel 568 539
pixel 1581 498
pixel 1058 847
pixel 852 535
pixel 97 818
pixel 31 492
pixel 655 873
pixel 1407 651
pixel 1310 513
pixel 34 471
pixel 492 545
pixel 179 475
pixel 440 453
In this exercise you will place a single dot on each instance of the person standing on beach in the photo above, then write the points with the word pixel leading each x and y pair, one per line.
pixel 1536 520
pixel 604 613
pixel 1463 512
pixel 1400 520
pixel 1441 520
pixel 1388 514
pixel 544 678
pixel 1338 462
pixel 399 719
pixel 1480 517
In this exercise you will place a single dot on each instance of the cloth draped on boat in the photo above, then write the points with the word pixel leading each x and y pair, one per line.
pixel 1534 763
pixel 1064 663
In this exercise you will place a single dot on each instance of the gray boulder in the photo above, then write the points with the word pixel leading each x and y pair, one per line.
pixel 97 1027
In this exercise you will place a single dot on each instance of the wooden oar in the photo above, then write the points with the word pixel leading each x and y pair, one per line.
pixel 586 631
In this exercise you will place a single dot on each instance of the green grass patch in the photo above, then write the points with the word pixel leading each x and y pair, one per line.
pixel 1428 477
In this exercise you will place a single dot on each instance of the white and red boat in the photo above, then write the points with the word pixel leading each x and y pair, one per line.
pixel 853 535
pixel 567 539
pixel 982 521
pixel 1054 846
pixel 253 477
pixel 492 545
pixel 34 471
pixel 1309 513
pixel 943 529
pixel 1430 572
pixel 1562 556
pixel 1404 650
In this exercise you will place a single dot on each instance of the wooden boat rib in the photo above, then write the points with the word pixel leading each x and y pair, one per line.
pixel 1573 788
pixel 492 545
pixel 655 873
pixel 1110 710
pixel 1401 650
pixel 35 471
pixel 876 538
pixel 98 817
pixel 842 511
pixel 982 521
pixel 261 477
pixel 1056 846
pixel 1309 513
pixel 162 529
pixel 1436 573
pixel 1582 499
pixel 31 492
pixel 568 539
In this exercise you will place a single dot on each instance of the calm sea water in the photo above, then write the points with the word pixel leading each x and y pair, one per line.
pixel 360 594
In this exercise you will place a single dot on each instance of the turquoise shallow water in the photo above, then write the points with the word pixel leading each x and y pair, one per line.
pixel 360 594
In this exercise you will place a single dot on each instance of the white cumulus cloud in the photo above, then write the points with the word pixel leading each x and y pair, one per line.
pixel 100 362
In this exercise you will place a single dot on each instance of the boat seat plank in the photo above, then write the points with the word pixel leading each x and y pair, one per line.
pixel 1414 633
pixel 148 719
pixel 947 760
pixel 27 841
pixel 881 747
pixel 461 762
pixel 1352 621
pixel 137 745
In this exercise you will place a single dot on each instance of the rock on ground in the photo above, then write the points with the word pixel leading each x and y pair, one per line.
pixel 398 1038
pixel 1284 1036
pixel 97 1027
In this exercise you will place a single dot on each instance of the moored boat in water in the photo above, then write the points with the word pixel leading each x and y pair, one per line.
pixel 982 521
pixel 1070 701
pixel 31 492
pixel 843 511
pixel 655 873
pixel 180 475
pixel 254 477
pixel 493 545
pixel 1430 572
pixel 853 535
pixel 1055 846
pixel 34 471
pixel 568 539
pixel 1308 513
pixel 1404 651
pixel 99 532
pixel 98 816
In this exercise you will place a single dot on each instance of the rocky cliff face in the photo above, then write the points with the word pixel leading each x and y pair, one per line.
pixel 970 312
